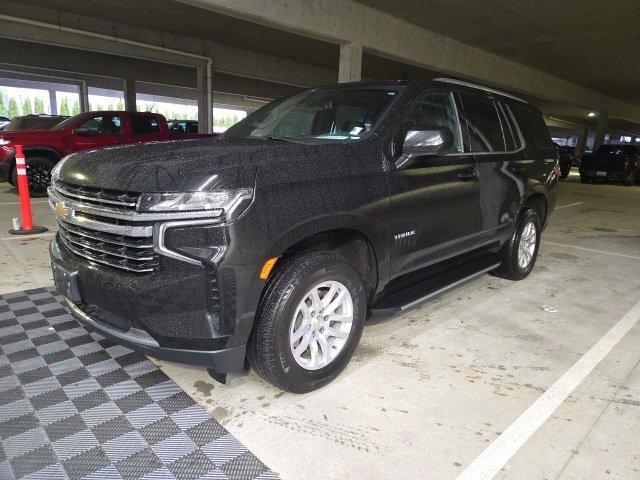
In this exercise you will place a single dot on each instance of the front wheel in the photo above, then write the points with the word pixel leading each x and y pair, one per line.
pixel 309 321
pixel 38 174
pixel 520 252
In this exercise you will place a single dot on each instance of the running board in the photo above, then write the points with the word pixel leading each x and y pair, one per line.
pixel 423 291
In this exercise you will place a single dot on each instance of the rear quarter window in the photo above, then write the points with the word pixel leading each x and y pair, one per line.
pixel 142 124
pixel 532 126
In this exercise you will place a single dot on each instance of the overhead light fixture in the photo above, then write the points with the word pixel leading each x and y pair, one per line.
pixel 591 114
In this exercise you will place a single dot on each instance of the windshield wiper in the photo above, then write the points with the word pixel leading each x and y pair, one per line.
pixel 280 139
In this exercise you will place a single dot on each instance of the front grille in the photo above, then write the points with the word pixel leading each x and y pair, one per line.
pixel 97 196
pixel 96 234
pixel 133 254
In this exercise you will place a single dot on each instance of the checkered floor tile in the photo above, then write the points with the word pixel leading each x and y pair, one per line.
pixel 76 405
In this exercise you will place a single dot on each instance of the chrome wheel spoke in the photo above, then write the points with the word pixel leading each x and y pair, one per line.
pixel 303 345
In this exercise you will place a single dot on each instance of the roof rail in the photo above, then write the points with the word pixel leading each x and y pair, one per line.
pixel 480 87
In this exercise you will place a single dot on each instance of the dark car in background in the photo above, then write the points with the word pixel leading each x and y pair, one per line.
pixel 183 126
pixel 273 241
pixel 613 163
pixel 34 122
pixel 564 159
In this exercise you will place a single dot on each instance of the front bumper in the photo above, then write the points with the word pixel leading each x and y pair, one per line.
pixel 173 313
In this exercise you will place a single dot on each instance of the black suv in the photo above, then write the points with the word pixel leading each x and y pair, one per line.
pixel 275 241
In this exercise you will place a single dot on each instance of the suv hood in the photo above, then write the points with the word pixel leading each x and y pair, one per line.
pixel 182 165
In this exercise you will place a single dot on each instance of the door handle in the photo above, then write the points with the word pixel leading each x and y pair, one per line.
pixel 469 175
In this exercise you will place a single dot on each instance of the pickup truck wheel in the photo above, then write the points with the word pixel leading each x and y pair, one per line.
pixel 309 321
pixel 39 175
pixel 521 250
pixel 630 179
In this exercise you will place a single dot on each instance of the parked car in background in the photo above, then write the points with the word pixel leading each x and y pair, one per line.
pixel 564 160
pixel 617 163
pixel 183 126
pixel 4 121
pixel 274 240
pixel 86 131
pixel 34 122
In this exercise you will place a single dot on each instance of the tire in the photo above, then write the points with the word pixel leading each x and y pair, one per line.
pixel 39 174
pixel 584 179
pixel 511 268
pixel 270 350
pixel 564 173
pixel 630 179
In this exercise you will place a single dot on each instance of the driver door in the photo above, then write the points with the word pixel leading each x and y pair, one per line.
pixel 101 130
pixel 434 197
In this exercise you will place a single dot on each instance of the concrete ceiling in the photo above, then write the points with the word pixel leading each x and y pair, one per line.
pixel 177 18
pixel 595 43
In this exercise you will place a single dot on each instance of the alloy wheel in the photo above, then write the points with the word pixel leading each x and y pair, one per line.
pixel 527 245
pixel 321 325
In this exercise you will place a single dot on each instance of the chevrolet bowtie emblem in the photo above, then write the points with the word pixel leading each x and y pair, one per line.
pixel 62 210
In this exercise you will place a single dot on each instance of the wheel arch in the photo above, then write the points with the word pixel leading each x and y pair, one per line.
pixel 34 151
pixel 353 236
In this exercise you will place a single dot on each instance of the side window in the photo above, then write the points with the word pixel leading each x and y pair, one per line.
pixel 511 137
pixel 485 131
pixel 433 110
pixel 141 124
pixel 101 125
pixel 532 126
pixel 179 127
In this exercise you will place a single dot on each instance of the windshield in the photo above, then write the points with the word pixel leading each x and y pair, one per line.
pixel 618 149
pixel 63 125
pixel 337 115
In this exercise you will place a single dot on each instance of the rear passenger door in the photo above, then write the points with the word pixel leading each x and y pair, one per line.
pixel 501 161
pixel 434 198
pixel 145 128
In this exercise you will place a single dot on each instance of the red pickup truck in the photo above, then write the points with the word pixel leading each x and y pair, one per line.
pixel 90 130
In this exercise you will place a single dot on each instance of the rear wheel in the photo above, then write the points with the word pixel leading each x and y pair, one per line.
pixel 520 252
pixel 309 321
pixel 38 174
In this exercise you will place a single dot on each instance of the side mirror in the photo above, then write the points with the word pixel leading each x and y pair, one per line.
pixel 419 143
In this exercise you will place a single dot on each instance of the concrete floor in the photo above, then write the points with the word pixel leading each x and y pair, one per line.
pixel 429 390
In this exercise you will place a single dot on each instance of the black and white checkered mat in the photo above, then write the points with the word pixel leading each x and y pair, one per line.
pixel 75 405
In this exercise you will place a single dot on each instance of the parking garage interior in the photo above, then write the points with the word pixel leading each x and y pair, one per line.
pixel 538 379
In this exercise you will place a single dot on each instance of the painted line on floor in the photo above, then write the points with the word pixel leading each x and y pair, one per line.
pixel 43 200
pixel 635 257
pixel 496 455
pixel 569 205
pixel 26 237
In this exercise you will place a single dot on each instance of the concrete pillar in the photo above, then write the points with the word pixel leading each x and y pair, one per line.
pixel 601 130
pixel 53 102
pixel 84 97
pixel 581 140
pixel 350 68
pixel 205 98
pixel 129 88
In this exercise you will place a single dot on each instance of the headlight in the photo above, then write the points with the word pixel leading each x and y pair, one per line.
pixel 226 200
